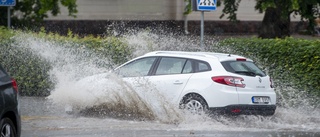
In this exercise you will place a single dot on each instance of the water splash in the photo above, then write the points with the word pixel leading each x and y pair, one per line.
pixel 144 42
pixel 108 95
pixel 82 83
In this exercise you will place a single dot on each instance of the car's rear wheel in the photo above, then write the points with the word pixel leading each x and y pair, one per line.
pixel 269 113
pixel 194 104
pixel 7 128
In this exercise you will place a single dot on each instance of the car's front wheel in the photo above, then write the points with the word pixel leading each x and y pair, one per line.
pixel 7 128
pixel 194 104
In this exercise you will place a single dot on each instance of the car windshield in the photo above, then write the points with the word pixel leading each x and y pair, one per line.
pixel 247 68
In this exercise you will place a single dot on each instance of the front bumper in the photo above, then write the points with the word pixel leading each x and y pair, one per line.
pixel 245 110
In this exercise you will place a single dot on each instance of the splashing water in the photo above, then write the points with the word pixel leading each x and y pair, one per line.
pixel 91 89
pixel 77 84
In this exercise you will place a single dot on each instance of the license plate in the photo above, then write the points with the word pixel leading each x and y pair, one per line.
pixel 264 100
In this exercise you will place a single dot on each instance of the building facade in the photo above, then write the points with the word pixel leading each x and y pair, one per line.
pixel 96 16
pixel 150 10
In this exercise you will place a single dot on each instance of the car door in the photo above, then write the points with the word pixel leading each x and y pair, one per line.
pixel 170 76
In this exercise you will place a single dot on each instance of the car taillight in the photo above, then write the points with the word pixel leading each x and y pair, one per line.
pixel 271 83
pixel 241 59
pixel 230 81
pixel 14 85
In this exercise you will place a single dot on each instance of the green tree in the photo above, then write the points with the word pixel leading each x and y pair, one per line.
pixel 30 13
pixel 276 21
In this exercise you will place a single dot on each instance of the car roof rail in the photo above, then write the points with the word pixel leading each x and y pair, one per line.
pixel 181 53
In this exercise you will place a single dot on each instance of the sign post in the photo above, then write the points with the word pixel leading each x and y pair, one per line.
pixel 204 5
pixel 9 4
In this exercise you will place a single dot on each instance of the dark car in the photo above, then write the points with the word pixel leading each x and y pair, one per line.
pixel 10 123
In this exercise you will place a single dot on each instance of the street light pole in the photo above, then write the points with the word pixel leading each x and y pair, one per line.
pixel 203 5
pixel 202 29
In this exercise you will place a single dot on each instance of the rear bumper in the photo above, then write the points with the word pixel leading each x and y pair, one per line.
pixel 245 110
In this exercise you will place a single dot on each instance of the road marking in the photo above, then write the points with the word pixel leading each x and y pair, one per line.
pixel 26 118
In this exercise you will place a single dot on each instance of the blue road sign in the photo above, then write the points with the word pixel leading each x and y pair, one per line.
pixel 206 5
pixel 7 2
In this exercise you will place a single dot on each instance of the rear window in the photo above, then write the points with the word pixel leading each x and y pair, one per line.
pixel 247 68
pixel 2 73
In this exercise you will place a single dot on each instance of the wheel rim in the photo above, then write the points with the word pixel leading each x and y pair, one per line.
pixel 195 107
pixel 6 130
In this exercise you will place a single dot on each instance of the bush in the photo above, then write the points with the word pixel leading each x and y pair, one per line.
pixel 29 70
pixel 293 62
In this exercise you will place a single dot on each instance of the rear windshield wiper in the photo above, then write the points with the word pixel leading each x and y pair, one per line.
pixel 248 73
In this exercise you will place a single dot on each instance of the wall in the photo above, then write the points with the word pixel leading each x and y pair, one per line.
pixel 149 10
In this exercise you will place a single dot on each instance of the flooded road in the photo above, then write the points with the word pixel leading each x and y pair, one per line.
pixel 40 118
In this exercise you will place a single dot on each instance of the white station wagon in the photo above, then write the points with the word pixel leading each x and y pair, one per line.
pixel 205 81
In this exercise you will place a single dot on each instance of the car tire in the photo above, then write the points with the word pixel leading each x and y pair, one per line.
pixel 195 104
pixel 7 128
pixel 270 113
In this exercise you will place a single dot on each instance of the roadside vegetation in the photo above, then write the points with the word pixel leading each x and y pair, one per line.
pixel 291 62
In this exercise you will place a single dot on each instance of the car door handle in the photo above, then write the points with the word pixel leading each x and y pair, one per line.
pixel 177 82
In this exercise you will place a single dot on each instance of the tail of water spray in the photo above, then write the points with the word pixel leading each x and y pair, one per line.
pixel 104 95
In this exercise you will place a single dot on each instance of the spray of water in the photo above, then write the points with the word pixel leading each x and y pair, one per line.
pixel 77 84
pixel 81 82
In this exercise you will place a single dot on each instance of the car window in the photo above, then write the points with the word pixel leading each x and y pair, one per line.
pixel 201 66
pixel 187 67
pixel 140 67
pixel 243 68
pixel 169 65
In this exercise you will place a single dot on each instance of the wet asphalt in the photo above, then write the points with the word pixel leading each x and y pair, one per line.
pixel 41 118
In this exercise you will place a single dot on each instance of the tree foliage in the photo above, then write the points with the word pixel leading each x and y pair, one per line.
pixel 230 8
pixel 29 13
pixel 276 22
pixel 188 7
